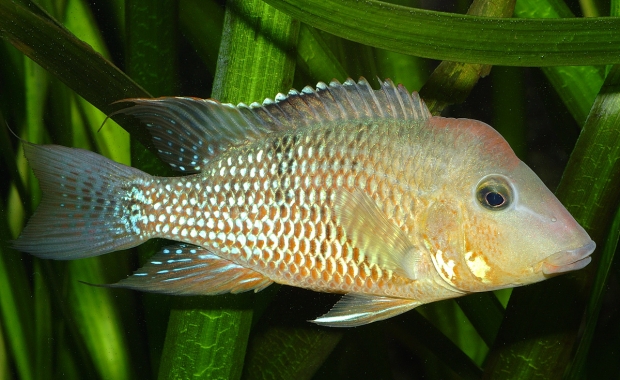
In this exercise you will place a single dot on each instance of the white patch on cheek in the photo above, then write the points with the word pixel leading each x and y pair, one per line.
pixel 478 266
pixel 445 269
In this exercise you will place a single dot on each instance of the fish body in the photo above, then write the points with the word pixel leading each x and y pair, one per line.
pixel 341 189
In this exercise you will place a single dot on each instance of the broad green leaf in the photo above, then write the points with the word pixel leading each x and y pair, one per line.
pixel 469 39
pixel 294 352
pixel 315 59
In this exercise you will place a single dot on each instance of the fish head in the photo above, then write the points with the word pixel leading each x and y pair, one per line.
pixel 503 227
pixel 518 232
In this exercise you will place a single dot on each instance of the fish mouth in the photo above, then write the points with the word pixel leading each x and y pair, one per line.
pixel 568 260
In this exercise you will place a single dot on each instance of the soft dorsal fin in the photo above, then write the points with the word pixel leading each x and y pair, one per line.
pixel 359 309
pixel 191 270
pixel 382 242
pixel 188 132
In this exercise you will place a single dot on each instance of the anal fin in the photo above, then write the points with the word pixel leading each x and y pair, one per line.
pixel 359 309
pixel 190 270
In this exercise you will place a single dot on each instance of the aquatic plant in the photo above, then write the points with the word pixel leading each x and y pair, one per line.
pixel 56 88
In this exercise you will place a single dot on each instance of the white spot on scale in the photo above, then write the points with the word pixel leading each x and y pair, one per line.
pixel 162 218
pixel 165 229
pixel 203 234
pixel 222 237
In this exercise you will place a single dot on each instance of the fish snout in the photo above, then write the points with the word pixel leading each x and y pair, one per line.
pixel 569 260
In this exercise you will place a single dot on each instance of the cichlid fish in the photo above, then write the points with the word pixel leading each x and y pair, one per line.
pixel 342 189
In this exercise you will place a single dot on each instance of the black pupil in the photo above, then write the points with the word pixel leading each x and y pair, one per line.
pixel 494 199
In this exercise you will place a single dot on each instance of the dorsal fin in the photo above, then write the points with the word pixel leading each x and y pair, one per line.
pixel 188 132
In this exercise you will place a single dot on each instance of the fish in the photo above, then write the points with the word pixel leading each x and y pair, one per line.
pixel 339 188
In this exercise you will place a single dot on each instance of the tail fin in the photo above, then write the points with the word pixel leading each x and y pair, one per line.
pixel 88 206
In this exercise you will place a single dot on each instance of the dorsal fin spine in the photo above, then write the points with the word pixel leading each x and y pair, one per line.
pixel 333 93
pixel 372 108
pixel 315 96
pixel 315 112
pixel 350 97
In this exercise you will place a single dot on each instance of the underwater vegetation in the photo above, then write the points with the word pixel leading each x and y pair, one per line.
pixel 552 92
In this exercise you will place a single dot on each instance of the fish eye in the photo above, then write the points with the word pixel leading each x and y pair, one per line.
pixel 494 193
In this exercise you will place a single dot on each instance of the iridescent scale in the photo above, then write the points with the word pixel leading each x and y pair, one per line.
pixel 267 206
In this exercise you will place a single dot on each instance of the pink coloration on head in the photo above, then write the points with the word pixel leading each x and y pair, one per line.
pixel 480 137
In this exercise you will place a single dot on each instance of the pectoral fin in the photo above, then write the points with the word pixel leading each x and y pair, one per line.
pixel 358 309
pixel 381 241
pixel 191 270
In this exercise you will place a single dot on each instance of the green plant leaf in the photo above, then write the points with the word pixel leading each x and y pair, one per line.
pixel 453 37
pixel 78 66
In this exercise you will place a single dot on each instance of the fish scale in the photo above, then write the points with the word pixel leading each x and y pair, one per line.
pixel 340 189
pixel 274 217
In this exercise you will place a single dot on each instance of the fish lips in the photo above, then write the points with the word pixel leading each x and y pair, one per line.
pixel 568 260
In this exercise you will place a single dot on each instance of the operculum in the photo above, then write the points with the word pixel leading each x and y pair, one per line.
pixel 444 237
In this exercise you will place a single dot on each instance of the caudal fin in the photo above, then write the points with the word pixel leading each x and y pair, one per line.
pixel 88 204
